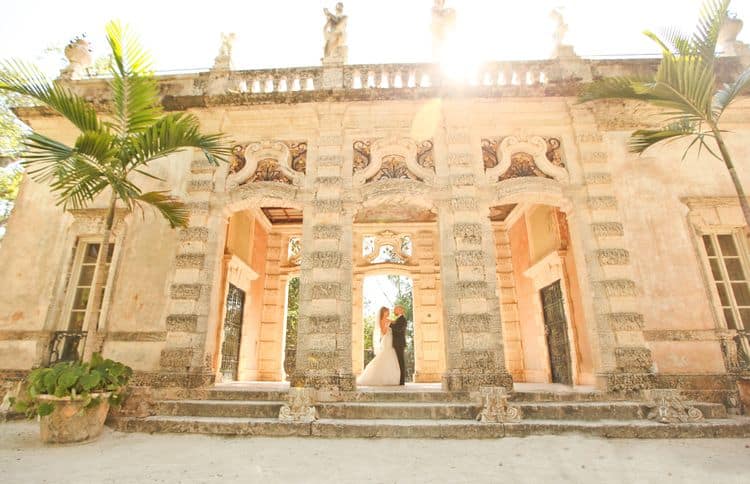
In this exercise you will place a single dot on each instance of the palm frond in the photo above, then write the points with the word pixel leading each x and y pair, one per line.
pixel 77 181
pixel 724 96
pixel 26 79
pixel 672 40
pixel 643 139
pixel 685 84
pixel 171 133
pixel 135 93
pixel 176 212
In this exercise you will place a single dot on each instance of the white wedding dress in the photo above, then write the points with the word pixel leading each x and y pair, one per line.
pixel 383 370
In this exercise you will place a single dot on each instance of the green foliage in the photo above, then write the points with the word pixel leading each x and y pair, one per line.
pixel 683 86
pixel 107 154
pixel 292 312
pixel 76 380
pixel 10 181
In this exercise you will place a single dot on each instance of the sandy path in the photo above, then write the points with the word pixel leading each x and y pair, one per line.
pixel 141 458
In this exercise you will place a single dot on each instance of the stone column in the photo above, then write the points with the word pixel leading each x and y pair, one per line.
pixel 612 295
pixel 471 309
pixel 324 356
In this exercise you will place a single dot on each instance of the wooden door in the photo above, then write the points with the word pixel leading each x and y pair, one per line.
pixel 230 348
pixel 556 330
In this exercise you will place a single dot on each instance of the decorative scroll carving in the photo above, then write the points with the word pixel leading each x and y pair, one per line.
pixel 514 157
pixel 300 406
pixel 268 170
pixel 361 155
pixel 489 153
pixel 425 155
pixel 495 407
pixel 522 164
pixel 393 166
pixel 299 156
pixel 670 408
pixel 237 162
pixel 387 247
pixel 268 160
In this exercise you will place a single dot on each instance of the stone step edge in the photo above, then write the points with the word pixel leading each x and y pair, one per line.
pixel 456 429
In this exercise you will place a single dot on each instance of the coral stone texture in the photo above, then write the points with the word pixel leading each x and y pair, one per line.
pixel 540 250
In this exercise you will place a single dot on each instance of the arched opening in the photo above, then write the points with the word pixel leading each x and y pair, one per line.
pixel 387 290
pixel 396 241
pixel 256 324
pixel 545 334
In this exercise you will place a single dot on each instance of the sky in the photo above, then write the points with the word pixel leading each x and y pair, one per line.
pixel 185 35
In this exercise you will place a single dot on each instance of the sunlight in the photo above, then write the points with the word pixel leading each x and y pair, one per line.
pixel 460 60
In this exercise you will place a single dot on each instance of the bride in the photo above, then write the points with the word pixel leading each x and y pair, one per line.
pixel 383 369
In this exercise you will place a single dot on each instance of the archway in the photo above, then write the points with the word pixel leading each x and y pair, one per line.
pixel 387 290
pixel 546 334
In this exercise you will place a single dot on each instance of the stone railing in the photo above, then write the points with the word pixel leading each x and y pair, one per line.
pixel 277 80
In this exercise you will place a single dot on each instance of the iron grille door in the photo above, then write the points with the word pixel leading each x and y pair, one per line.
pixel 230 348
pixel 556 329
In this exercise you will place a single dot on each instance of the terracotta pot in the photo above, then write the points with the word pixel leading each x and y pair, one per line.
pixel 70 421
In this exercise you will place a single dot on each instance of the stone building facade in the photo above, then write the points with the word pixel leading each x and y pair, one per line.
pixel 539 248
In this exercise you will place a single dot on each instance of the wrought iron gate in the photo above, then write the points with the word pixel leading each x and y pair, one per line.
pixel 556 330
pixel 230 348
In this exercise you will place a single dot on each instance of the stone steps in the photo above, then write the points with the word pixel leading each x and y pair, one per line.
pixel 737 427
pixel 587 411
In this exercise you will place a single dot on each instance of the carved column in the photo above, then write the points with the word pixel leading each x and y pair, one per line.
pixel 324 355
pixel 471 310
pixel 625 361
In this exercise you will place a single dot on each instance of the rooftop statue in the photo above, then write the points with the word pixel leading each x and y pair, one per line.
pixel 334 32
pixel 727 43
pixel 561 50
pixel 223 60
pixel 443 24
pixel 78 53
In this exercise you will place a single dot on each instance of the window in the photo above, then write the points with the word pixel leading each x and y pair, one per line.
pixel 729 274
pixel 387 247
pixel 82 284
pixel 294 250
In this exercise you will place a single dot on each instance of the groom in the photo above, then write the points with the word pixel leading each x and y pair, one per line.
pixel 398 330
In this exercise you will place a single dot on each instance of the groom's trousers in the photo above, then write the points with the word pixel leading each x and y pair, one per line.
pixel 401 363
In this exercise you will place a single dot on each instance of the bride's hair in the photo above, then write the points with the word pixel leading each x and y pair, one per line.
pixel 383 310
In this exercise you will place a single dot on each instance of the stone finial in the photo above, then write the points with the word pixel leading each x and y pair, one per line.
pixel 560 50
pixel 443 25
pixel 78 54
pixel 223 61
pixel 727 43
pixel 334 32
pixel 495 407
pixel 669 407
pixel 300 406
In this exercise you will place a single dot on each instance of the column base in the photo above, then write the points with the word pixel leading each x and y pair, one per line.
pixel 463 381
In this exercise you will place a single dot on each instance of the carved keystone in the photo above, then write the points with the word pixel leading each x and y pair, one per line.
pixel 495 408
pixel 669 407
pixel 300 406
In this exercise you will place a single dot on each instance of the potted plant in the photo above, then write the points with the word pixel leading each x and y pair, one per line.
pixel 72 399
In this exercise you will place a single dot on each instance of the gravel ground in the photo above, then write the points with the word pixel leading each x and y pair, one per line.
pixel 141 458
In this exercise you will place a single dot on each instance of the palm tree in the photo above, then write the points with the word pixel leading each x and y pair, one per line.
pixel 109 154
pixel 684 86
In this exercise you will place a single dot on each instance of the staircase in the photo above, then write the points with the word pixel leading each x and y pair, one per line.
pixel 422 414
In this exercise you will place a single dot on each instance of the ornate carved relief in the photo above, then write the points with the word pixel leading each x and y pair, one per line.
pixel 670 408
pixel 495 407
pixel 300 406
pixel 513 157
pixel 392 158
pixel 268 160
pixel 387 247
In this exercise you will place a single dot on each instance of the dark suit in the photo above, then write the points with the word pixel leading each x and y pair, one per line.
pixel 398 330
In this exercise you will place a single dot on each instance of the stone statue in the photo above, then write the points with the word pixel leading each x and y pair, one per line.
pixel 443 24
pixel 334 33
pixel 223 60
pixel 561 50
pixel 727 43
pixel 78 53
